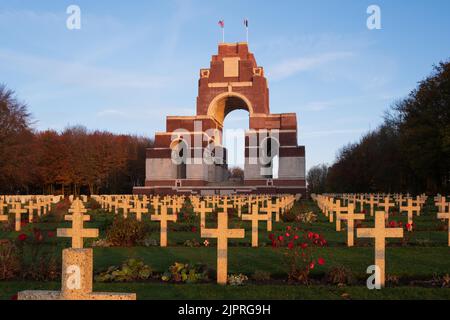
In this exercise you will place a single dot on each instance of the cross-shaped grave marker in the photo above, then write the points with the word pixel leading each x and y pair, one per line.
pixel 380 233
pixel 255 217
pixel 125 206
pixel 3 206
pixel 386 205
pixel 163 218
pixel 442 204
pixel 351 216
pixel 268 211
pixel 31 207
pixel 222 233
pixel 338 210
pixel 410 209
pixel 139 209
pixel 445 216
pixel 77 233
pixel 372 202
pixel 17 210
pixel 202 209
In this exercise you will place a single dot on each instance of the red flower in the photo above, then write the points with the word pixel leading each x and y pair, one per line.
pixel 409 226
pixel 291 245
pixel 288 228
pixel 22 237
pixel 310 235
pixel 38 234
pixel 50 234
pixel 316 236
pixel 321 261
pixel 296 237
pixel 287 235
pixel 304 245
pixel 194 229
pixel 312 265
pixel 271 236
pixel 280 238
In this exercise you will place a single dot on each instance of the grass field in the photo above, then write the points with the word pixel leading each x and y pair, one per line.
pixel 422 258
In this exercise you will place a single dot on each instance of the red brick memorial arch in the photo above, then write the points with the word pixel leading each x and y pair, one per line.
pixel 189 158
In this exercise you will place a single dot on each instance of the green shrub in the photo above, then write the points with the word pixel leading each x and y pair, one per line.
pixel 237 279
pixel 261 276
pixel 192 243
pixel 126 232
pixel 10 262
pixel 340 275
pixel 181 272
pixel 131 270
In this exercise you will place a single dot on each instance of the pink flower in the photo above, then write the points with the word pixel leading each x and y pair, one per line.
pixel 296 237
pixel 280 238
pixel 321 261
pixel 312 265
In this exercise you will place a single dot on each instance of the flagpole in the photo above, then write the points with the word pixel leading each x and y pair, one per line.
pixel 223 34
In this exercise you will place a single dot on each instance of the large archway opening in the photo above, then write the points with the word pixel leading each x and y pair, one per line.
pixel 227 102
pixel 232 112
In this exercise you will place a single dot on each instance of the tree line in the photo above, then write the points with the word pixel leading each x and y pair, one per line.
pixel 409 152
pixel 73 161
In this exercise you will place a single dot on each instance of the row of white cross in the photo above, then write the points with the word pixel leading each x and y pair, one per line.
pixel 18 205
pixel 332 207
pixel 202 207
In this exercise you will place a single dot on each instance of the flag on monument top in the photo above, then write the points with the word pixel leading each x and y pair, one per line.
pixel 246 23
pixel 222 23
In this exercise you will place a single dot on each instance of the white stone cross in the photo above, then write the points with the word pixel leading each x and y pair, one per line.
pixel 163 218
pixel 202 209
pixel 139 209
pixel 255 217
pixel 77 233
pixel 351 216
pixel 372 202
pixel 3 216
pixel 445 216
pixel 222 233
pixel 380 233
pixel 387 204
pixel 410 209
pixel 17 210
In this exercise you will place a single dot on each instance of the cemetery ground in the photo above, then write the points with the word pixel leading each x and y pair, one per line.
pixel 417 267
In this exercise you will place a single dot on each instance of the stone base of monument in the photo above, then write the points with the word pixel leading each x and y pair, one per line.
pixel 76 281
pixel 57 295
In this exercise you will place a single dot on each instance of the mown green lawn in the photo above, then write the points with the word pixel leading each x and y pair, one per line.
pixel 162 291
pixel 424 256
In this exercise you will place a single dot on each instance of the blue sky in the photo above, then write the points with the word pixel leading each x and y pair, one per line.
pixel 134 62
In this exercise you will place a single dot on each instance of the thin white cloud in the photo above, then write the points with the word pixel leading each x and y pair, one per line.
pixel 327 133
pixel 74 73
pixel 143 113
pixel 291 67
